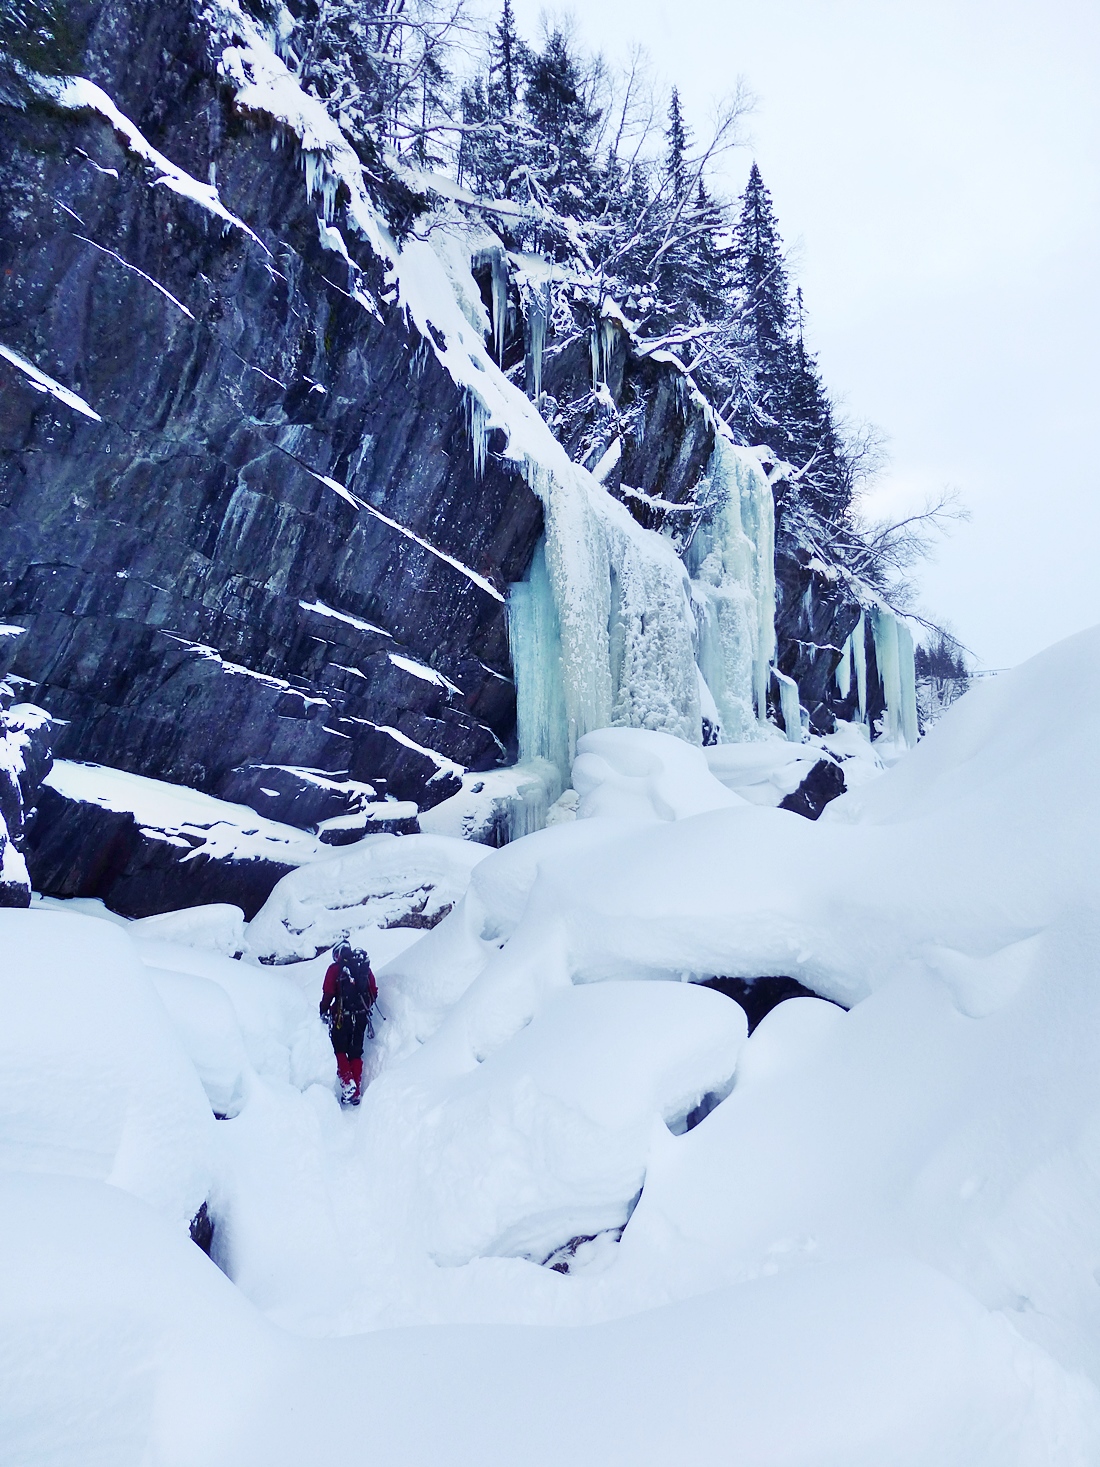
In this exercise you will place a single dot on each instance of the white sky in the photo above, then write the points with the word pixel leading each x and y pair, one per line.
pixel 937 166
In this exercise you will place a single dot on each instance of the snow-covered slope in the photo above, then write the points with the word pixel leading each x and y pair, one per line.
pixel 873 1242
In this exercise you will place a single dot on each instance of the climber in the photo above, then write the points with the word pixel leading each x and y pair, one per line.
pixel 347 1000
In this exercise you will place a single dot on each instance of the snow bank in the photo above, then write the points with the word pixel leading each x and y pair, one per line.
pixel 217 925
pixel 631 773
pixel 766 771
pixel 499 805
pixel 545 1135
pixel 275 1017
pixel 93 1081
pixel 877 1247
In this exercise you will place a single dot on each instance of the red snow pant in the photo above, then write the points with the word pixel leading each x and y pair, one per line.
pixel 350 1072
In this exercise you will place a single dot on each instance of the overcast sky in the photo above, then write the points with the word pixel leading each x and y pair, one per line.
pixel 936 166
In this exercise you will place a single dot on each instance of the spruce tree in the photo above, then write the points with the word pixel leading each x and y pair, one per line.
pixel 812 441
pixel 507 54
pixel 677 137
pixel 763 303
pixel 562 125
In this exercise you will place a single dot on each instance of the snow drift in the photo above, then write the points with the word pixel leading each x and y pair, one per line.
pixel 873 1241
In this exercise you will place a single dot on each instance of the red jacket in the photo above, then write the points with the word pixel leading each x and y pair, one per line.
pixel 331 990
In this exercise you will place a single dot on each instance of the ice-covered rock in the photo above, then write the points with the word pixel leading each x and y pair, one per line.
pixel 383 881
pixel 25 759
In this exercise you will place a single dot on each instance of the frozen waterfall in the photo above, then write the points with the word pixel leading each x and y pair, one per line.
pixel 731 560
pixel 602 628
pixel 894 655
pixel 608 630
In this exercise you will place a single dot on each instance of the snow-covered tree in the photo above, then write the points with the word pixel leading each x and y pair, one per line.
pixel 561 164
pixel 764 317
pixel 508 61
pixel 676 160
pixel 382 67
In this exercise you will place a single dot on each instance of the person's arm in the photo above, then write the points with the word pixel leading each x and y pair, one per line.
pixel 329 991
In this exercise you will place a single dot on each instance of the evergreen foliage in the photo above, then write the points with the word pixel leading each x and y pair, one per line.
pixel 942 658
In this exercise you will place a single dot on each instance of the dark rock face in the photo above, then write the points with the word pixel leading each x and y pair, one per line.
pixel 814 617
pixel 196 600
pixel 758 996
pixel 824 782
pixel 201 1229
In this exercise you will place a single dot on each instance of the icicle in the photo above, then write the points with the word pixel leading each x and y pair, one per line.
pixel 844 670
pixel 858 640
pixel 495 261
pixel 538 318
pixel 477 417
pixel 790 707
pixel 498 269
pixel 603 347
pixel 320 178
pixel 894 654
pixel 907 680
pixel 731 558
pixel 884 627
pixel 528 808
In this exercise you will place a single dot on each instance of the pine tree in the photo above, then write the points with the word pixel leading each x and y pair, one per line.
pixel 478 163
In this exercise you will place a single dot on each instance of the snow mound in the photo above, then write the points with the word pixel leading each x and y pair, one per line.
pixel 218 926
pixel 637 773
pixel 546 1137
pixel 382 881
pixel 853 1238
pixel 276 1018
pixel 93 1081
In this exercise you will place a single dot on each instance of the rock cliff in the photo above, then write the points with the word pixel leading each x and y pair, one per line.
pixel 252 524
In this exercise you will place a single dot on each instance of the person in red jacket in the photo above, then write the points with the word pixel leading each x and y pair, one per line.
pixel 347 999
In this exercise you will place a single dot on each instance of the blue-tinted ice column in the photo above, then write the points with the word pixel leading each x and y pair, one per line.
pixel 858 640
pixel 894 655
pixel 731 559
pixel 535 634
pixel 790 706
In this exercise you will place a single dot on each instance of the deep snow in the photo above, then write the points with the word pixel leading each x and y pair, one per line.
pixel 880 1247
